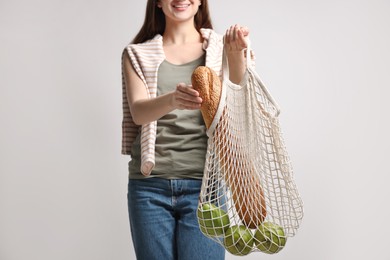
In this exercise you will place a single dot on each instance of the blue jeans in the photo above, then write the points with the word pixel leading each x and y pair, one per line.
pixel 163 221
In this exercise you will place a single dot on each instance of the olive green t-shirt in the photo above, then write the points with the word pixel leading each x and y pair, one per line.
pixel 181 140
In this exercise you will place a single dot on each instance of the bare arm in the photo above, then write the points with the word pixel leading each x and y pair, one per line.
pixel 144 109
pixel 235 44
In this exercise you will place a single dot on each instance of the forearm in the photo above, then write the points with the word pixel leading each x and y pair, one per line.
pixel 237 66
pixel 145 111
pixel 235 44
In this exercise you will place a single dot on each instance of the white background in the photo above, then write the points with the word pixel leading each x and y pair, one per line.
pixel 63 181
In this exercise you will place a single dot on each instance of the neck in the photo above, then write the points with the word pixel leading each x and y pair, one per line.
pixel 181 33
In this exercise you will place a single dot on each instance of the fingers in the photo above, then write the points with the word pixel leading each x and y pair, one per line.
pixel 236 38
pixel 245 31
pixel 187 89
pixel 186 97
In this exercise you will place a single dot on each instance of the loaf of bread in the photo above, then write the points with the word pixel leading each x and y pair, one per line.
pixel 207 83
pixel 244 184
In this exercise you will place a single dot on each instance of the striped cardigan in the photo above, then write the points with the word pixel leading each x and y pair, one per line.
pixel 146 58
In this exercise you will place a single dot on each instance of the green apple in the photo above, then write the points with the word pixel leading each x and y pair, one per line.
pixel 238 240
pixel 270 238
pixel 213 221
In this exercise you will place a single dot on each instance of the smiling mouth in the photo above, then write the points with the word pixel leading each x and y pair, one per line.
pixel 181 6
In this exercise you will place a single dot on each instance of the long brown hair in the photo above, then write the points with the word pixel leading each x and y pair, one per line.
pixel 154 22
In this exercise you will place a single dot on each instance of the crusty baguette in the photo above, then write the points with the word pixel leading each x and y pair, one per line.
pixel 208 84
pixel 247 194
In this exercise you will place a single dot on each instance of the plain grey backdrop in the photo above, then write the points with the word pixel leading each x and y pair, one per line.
pixel 63 181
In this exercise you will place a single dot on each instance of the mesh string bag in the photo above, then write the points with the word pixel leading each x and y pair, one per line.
pixel 249 201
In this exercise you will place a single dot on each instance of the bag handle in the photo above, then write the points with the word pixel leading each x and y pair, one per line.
pixel 225 73
pixel 225 67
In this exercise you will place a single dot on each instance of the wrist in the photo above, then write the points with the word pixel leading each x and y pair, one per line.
pixel 171 101
pixel 235 52
pixel 235 56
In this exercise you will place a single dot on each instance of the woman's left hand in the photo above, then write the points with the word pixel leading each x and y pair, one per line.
pixel 236 38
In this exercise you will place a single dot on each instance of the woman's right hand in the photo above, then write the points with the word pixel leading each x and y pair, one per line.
pixel 145 110
pixel 185 97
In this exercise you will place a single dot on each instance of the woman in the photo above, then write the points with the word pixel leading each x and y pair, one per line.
pixel 163 129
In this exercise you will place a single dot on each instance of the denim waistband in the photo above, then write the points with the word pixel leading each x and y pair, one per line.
pixel 176 186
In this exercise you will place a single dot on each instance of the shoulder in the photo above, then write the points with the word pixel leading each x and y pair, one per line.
pixel 149 50
pixel 153 44
pixel 210 37
pixel 210 34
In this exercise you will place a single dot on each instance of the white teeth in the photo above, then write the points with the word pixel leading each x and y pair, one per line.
pixel 181 6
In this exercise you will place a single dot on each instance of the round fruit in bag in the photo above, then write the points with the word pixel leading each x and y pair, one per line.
pixel 238 240
pixel 270 238
pixel 213 221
